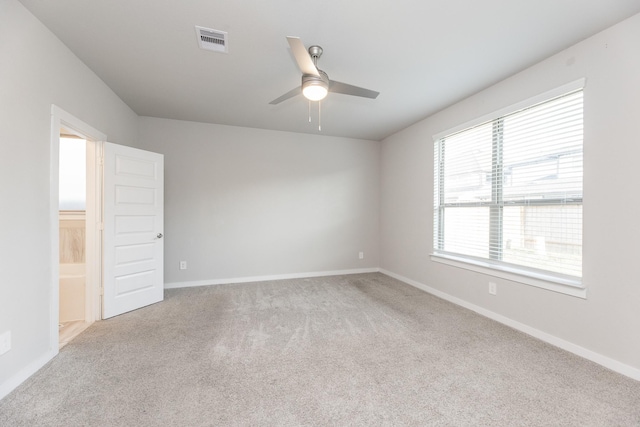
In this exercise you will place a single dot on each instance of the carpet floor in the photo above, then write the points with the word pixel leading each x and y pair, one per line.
pixel 357 350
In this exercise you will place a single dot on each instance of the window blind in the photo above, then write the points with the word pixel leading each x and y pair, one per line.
pixel 509 191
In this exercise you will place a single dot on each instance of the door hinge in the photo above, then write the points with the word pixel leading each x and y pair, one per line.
pixel 101 226
pixel 101 160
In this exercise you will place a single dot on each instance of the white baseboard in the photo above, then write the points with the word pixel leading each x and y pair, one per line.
pixel 174 285
pixel 13 382
pixel 598 358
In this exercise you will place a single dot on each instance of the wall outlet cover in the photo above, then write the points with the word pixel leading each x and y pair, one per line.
pixel 493 288
pixel 5 342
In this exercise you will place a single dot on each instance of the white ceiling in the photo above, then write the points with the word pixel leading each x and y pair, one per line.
pixel 421 55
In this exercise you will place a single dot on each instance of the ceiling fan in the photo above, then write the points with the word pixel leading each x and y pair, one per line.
pixel 315 82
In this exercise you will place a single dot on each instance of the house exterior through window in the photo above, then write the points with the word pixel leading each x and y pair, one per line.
pixel 508 191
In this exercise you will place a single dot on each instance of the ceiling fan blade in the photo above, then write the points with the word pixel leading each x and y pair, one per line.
pixel 338 87
pixel 293 92
pixel 302 56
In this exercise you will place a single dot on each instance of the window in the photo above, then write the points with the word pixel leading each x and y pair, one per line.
pixel 72 176
pixel 508 192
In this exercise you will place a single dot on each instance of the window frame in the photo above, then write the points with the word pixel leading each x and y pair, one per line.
pixel 570 285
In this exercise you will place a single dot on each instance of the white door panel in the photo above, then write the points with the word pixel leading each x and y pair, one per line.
pixel 133 227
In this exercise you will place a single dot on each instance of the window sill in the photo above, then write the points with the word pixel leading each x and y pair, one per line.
pixel 549 281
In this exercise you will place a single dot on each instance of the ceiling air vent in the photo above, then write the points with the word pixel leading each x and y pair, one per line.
pixel 212 39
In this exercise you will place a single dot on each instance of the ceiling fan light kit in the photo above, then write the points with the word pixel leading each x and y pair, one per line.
pixel 315 88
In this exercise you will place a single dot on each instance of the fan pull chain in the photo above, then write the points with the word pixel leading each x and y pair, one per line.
pixel 309 111
pixel 319 116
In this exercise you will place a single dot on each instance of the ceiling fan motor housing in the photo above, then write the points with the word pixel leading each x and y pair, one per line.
pixel 308 79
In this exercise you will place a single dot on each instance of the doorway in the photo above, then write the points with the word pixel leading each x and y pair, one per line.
pixel 124 220
pixel 76 253
pixel 74 316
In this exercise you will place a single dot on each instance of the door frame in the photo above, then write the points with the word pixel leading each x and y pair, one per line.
pixel 93 299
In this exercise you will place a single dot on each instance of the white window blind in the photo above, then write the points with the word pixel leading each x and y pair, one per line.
pixel 508 192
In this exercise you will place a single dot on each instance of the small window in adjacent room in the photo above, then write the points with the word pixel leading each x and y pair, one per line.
pixel 508 192
pixel 73 171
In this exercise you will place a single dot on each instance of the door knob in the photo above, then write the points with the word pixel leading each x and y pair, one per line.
pixel 159 236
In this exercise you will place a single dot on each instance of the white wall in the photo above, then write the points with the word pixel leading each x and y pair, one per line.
pixel 608 321
pixel 243 202
pixel 37 71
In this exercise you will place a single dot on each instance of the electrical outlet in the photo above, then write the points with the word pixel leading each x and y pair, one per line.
pixel 493 288
pixel 5 342
pixel 361 255
pixel 183 265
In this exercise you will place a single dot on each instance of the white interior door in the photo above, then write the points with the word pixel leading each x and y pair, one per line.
pixel 133 227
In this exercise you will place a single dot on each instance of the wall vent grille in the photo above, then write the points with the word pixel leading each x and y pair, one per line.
pixel 214 40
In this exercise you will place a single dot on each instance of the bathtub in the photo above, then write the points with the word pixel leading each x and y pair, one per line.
pixel 72 292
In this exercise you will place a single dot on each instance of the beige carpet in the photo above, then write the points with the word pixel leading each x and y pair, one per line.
pixel 360 350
